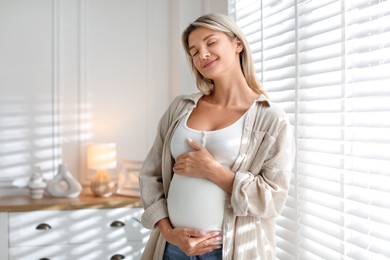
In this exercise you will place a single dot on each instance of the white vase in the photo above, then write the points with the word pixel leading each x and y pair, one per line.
pixel 64 184
pixel 36 184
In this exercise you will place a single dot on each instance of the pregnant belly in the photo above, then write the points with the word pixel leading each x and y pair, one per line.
pixel 195 203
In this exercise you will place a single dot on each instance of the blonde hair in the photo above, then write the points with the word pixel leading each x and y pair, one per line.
pixel 222 23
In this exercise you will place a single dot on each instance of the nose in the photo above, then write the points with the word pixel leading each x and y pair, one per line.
pixel 204 54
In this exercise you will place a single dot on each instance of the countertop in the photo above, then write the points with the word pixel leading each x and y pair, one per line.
pixel 25 203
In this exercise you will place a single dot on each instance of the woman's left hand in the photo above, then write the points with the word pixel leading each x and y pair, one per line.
pixel 198 163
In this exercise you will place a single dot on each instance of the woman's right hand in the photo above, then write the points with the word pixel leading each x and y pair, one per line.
pixel 191 241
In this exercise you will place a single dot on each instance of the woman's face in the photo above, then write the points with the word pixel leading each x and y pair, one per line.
pixel 214 54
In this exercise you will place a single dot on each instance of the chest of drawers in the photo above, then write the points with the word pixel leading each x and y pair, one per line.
pixel 94 231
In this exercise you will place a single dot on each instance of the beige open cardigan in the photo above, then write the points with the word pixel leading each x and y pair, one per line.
pixel 262 176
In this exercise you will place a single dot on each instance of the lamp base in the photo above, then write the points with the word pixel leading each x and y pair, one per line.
pixel 102 185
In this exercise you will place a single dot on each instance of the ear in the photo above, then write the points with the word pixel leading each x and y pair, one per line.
pixel 240 47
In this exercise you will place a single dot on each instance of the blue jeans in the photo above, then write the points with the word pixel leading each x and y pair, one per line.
pixel 174 253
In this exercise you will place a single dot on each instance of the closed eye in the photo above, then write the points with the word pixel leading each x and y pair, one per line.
pixel 194 53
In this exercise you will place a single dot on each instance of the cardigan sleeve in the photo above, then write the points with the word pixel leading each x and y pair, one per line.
pixel 260 187
pixel 150 177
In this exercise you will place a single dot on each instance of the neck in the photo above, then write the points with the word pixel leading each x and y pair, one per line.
pixel 233 91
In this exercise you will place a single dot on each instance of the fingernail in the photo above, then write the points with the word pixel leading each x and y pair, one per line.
pixel 189 139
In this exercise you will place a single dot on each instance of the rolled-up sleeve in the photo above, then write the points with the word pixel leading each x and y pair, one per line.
pixel 260 187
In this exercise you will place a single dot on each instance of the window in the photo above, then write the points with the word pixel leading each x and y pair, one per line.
pixel 327 63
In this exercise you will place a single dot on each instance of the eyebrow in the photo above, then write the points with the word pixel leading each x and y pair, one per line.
pixel 205 39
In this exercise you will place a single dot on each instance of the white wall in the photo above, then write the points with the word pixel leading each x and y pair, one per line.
pixel 183 13
pixel 74 72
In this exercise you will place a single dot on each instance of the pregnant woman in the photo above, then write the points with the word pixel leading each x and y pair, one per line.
pixel 218 172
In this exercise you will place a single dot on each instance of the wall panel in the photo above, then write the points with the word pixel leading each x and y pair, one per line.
pixel 26 79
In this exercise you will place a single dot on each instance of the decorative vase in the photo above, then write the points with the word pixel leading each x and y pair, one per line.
pixel 64 184
pixel 36 184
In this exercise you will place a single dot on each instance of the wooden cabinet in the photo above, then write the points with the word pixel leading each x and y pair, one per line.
pixel 82 234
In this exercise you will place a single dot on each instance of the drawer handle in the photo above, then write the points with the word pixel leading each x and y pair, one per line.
pixel 44 258
pixel 43 226
pixel 117 257
pixel 117 223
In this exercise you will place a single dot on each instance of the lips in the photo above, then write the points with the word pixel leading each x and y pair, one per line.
pixel 208 64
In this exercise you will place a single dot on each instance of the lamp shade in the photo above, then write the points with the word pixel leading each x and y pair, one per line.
pixel 101 156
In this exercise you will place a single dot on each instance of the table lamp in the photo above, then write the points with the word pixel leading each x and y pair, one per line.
pixel 102 157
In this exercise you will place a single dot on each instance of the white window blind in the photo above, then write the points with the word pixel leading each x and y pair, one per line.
pixel 327 63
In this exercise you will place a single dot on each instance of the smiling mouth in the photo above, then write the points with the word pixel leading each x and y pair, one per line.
pixel 209 64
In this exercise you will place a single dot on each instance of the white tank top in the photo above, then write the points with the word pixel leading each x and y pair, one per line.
pixel 196 202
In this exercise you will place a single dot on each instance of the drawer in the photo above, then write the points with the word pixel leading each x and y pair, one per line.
pixel 27 228
pixel 48 227
pixel 89 251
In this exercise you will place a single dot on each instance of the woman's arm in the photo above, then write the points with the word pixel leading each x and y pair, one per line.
pixel 262 189
pixel 151 175
pixel 200 163
pixel 259 191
